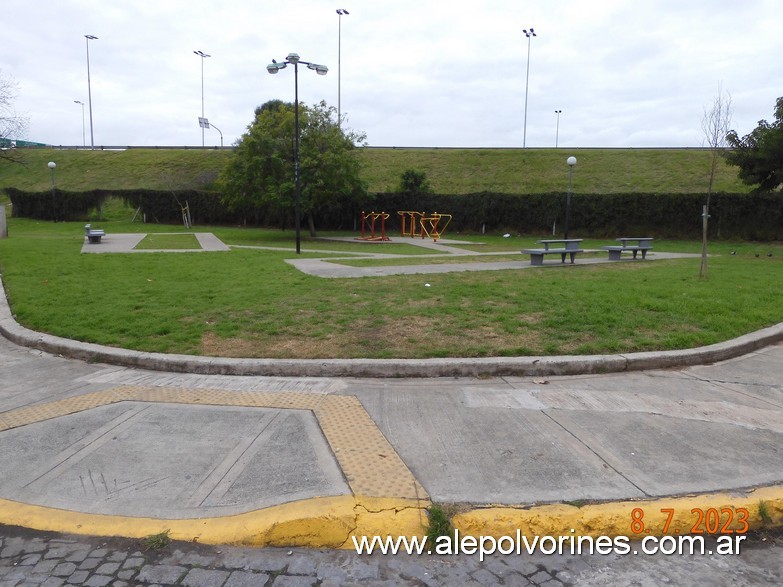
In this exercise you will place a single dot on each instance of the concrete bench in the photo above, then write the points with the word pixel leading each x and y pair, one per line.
pixel 643 244
pixel 93 236
pixel 569 247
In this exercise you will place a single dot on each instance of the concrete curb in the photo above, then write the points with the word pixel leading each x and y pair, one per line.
pixel 380 368
pixel 339 522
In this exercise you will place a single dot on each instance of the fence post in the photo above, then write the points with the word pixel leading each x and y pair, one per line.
pixel 3 223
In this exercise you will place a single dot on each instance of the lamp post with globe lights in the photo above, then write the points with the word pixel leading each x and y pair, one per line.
pixel 571 162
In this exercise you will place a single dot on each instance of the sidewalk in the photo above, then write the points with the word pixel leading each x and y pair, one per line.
pixel 218 456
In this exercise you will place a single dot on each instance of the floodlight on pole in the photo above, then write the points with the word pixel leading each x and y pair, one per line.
pixel 557 128
pixel 273 68
pixel 340 13
pixel 203 57
pixel 529 34
pixel 89 87
pixel 84 140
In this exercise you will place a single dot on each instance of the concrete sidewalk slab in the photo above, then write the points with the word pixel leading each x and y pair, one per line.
pixel 127 243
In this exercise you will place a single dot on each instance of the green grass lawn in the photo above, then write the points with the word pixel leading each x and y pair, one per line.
pixel 168 241
pixel 248 302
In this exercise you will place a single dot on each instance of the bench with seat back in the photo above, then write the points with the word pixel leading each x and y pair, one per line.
pixel 93 235
pixel 643 244
pixel 569 247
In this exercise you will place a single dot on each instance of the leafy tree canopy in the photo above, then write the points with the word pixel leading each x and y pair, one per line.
pixel 261 173
pixel 414 182
pixel 759 155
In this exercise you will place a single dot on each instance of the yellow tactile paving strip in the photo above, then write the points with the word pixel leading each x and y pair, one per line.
pixel 370 464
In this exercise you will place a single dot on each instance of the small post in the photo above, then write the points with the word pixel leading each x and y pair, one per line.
pixel 3 223
pixel 704 219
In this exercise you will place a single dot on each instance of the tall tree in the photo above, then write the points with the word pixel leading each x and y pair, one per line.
pixel 261 171
pixel 759 154
pixel 12 125
pixel 715 125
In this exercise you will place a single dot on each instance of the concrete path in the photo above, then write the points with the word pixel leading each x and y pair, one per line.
pixel 127 242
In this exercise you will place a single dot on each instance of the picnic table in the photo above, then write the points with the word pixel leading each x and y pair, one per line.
pixel 562 247
pixel 642 244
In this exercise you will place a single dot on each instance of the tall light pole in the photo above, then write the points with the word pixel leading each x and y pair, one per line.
pixel 571 162
pixel 557 128
pixel 340 13
pixel 203 57
pixel 89 89
pixel 84 140
pixel 528 33
pixel 274 67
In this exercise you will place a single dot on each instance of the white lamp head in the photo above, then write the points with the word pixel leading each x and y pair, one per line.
pixel 571 161
pixel 51 164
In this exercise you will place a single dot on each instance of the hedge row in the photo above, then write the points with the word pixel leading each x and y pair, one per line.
pixel 54 204
pixel 733 216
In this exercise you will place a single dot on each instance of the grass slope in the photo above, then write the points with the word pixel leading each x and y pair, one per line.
pixel 450 171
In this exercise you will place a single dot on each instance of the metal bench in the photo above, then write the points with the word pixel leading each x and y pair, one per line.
pixel 93 236
pixel 643 244
pixel 570 248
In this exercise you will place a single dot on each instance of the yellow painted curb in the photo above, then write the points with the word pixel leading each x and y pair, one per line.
pixel 694 514
pixel 324 522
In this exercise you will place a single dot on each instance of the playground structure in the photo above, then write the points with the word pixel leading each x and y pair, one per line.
pixel 369 222
pixel 429 225
pixel 413 224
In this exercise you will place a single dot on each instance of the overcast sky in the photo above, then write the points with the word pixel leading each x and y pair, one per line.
pixel 423 73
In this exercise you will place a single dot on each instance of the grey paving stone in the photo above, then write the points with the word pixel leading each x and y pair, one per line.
pixel 204 578
pixel 133 562
pixel 117 556
pixel 53 582
pixel 294 581
pixel 246 579
pixel 160 574
pixel 78 556
pixel 30 560
pixel 45 566
pixel 107 569
pixel 98 581
pixel 64 569
pixel 78 577
pixel 90 563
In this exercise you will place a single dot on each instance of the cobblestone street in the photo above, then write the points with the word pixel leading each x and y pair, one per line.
pixel 30 558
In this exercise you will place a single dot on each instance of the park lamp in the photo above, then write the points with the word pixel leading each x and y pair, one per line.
pixel 273 68
pixel 571 161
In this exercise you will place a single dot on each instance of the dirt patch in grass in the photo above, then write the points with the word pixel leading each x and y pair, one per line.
pixel 422 337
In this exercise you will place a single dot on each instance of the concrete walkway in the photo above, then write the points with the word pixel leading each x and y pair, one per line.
pixel 105 441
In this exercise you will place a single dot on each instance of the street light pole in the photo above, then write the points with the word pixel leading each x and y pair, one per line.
pixel 571 162
pixel 340 13
pixel 203 56
pixel 557 128
pixel 528 33
pixel 89 88
pixel 84 140
pixel 274 67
